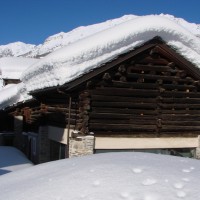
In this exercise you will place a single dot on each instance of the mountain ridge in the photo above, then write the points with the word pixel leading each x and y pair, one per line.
pixel 56 41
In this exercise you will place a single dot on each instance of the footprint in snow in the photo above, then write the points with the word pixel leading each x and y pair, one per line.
pixel 181 194
pixel 96 183
pixel 149 181
pixel 124 195
pixel 137 170
pixel 188 169
pixel 186 179
pixel 178 185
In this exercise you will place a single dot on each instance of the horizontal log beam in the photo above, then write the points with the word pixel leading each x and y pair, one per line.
pixel 115 98
pixel 179 106
pixel 156 77
pixel 180 128
pixel 94 115
pixel 180 100
pixel 157 61
pixel 152 86
pixel 183 112
pixel 125 92
pixel 124 105
pixel 179 94
pixel 181 123
pixel 179 117
pixel 99 126
pixel 158 68
pixel 134 85
pixel 123 121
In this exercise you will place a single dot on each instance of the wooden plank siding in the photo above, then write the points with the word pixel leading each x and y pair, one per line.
pixel 147 94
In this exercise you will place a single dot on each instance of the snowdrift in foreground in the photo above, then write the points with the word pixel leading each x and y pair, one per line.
pixel 11 159
pixel 109 176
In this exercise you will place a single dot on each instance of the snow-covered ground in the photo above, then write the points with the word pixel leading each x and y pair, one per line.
pixel 11 159
pixel 108 176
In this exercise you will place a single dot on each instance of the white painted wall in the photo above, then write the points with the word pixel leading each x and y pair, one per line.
pixel 145 143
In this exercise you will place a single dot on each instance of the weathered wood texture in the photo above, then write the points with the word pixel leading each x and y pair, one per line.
pixel 149 94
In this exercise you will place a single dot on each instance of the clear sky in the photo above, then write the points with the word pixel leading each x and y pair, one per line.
pixel 32 21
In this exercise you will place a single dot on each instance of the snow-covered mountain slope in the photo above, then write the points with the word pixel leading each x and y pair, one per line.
pixel 15 49
pixel 59 40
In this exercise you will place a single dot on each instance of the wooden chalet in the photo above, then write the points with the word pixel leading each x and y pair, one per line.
pixel 145 100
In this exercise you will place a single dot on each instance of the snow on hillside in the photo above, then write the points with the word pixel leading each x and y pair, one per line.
pixel 59 40
pixel 11 159
pixel 15 49
pixel 109 176
pixel 78 58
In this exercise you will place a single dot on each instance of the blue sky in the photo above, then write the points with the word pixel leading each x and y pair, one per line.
pixel 32 21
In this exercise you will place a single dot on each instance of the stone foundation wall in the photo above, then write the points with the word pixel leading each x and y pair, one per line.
pixel 81 146
pixel 198 149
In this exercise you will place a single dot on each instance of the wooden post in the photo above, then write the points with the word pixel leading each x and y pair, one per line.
pixel 68 126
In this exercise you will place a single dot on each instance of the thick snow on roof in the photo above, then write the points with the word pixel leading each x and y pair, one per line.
pixel 109 176
pixel 12 94
pixel 62 39
pixel 80 57
pixel 11 159
pixel 12 67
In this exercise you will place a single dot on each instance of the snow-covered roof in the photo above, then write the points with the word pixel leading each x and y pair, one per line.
pixel 12 94
pixel 12 67
pixel 11 159
pixel 108 176
pixel 78 58
pixel 84 55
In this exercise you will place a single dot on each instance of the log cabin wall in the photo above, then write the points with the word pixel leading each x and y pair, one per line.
pixel 53 111
pixel 63 113
pixel 150 95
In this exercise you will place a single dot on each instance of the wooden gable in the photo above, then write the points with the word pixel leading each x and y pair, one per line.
pixel 150 91
pixel 153 92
